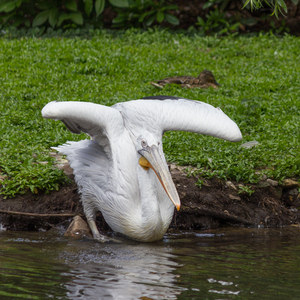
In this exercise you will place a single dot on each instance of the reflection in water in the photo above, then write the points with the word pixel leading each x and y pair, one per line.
pixel 121 271
pixel 240 264
pixel 28 269
pixel 228 264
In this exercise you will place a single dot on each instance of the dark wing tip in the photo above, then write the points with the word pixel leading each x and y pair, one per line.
pixel 161 97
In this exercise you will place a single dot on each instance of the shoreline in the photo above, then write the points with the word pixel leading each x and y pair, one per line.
pixel 216 204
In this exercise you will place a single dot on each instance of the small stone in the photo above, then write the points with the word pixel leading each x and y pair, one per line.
pixel 2 177
pixel 250 144
pixel 234 197
pixel 183 194
pixel 290 183
pixel 172 167
pixel 296 225
pixel 78 228
pixel 272 182
pixel 61 163
pixel 230 185
pixel 293 192
pixel 67 170
pixel 181 168
pixel 263 184
pixel 293 209
pixel 264 177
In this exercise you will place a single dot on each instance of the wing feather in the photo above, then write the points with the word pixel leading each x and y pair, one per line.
pixel 94 119
pixel 180 114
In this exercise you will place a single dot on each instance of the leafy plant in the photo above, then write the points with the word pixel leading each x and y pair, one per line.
pixel 69 10
pixel 216 22
pixel 212 3
pixel 278 6
pixel 139 13
pixel 143 13
pixel 54 13
pixel 244 189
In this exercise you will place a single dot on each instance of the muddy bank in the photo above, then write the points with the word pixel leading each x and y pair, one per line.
pixel 217 203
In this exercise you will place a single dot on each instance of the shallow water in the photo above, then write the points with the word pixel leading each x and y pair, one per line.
pixel 224 264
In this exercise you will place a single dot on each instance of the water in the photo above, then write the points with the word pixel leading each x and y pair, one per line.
pixel 223 264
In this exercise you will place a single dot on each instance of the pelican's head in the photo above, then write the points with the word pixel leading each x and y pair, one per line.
pixel 152 157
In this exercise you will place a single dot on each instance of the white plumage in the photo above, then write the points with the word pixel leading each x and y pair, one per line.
pixel 121 170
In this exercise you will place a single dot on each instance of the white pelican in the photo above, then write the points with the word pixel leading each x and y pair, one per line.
pixel 121 170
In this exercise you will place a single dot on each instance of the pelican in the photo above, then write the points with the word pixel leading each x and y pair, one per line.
pixel 121 170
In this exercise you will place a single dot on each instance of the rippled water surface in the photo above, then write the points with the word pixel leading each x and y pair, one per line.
pixel 224 264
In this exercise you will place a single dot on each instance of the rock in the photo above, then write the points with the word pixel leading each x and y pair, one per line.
pixel 293 192
pixel 172 167
pixel 267 183
pixel 2 177
pixel 230 185
pixel 263 177
pixel 263 184
pixel 272 182
pixel 296 225
pixel 250 144
pixel 62 164
pixel 290 183
pixel 78 228
pixel 67 170
pixel 234 197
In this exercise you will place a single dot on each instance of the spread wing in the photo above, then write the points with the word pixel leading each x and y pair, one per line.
pixel 97 120
pixel 164 113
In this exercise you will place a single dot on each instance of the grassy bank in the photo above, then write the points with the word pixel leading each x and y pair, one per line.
pixel 259 79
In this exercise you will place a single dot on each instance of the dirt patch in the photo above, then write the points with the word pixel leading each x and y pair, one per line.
pixel 217 203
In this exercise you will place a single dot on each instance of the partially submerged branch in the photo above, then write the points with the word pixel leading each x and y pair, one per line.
pixel 62 215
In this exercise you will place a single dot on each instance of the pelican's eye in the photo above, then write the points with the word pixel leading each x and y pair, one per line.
pixel 144 144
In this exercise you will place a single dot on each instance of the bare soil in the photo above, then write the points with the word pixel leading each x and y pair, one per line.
pixel 217 203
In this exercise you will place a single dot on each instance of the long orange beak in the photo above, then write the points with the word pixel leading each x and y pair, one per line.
pixel 151 158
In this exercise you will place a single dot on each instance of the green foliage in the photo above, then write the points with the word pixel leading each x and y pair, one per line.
pixel 55 13
pixel 259 90
pixel 130 13
pixel 137 13
pixel 243 189
pixel 50 13
pixel 216 22
pixel 278 6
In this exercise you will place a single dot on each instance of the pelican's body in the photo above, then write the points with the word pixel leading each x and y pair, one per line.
pixel 122 170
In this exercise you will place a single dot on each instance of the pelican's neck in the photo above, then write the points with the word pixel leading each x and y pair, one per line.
pixel 147 211
pixel 156 207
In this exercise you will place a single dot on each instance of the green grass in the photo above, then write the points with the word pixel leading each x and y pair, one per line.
pixel 259 79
